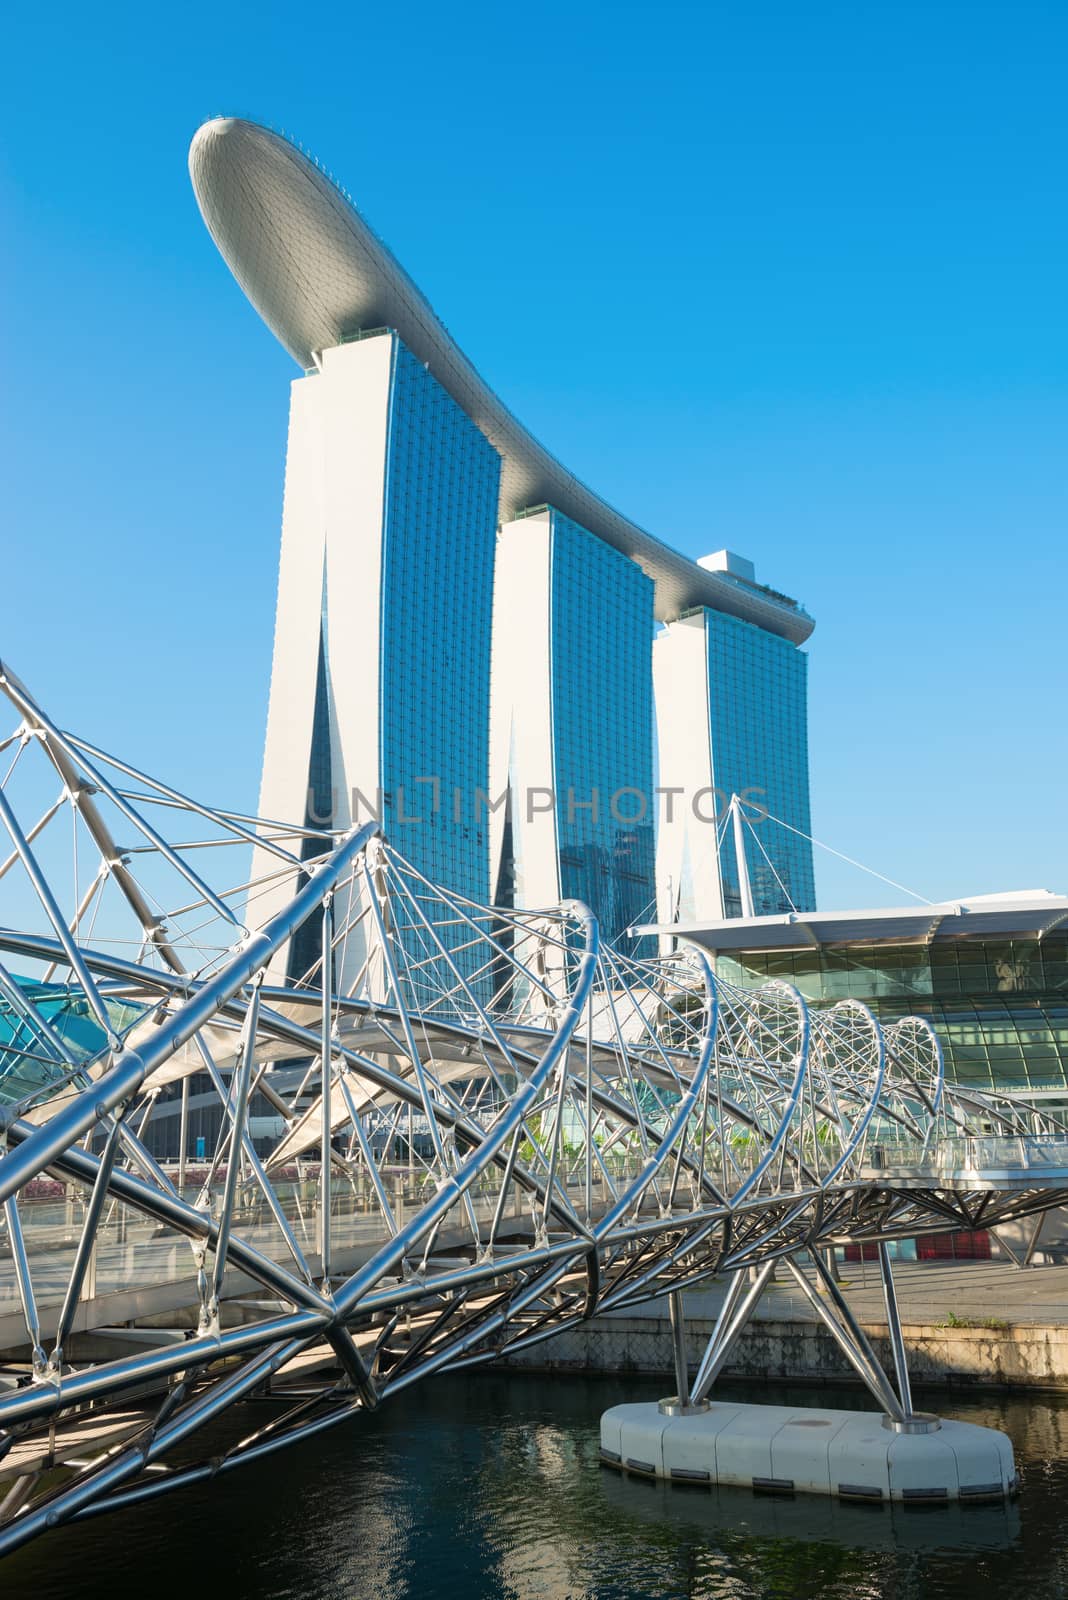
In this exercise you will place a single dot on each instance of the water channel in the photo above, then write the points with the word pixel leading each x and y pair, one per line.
pixel 489 1485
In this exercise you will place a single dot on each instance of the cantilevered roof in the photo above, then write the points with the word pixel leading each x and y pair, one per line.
pixel 1022 914
pixel 317 274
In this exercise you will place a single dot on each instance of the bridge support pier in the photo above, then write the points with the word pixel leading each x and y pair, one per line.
pixel 857 1455
pixel 841 1324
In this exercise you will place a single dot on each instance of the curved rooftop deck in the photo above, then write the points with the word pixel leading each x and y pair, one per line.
pixel 318 275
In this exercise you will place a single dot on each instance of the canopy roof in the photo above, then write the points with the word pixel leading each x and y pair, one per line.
pixel 1021 914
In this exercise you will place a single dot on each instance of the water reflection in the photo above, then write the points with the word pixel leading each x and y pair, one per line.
pixel 490 1486
pixel 722 1512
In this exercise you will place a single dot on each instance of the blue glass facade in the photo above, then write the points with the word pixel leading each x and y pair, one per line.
pixel 438 533
pixel 442 483
pixel 757 698
pixel 601 644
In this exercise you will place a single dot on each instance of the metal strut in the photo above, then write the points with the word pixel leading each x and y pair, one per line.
pixel 847 1334
pixel 678 1341
pixel 893 1322
pixel 729 1324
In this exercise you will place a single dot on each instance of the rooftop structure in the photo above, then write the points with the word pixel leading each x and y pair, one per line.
pixel 319 275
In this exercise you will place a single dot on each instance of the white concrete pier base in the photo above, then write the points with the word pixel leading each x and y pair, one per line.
pixel 856 1455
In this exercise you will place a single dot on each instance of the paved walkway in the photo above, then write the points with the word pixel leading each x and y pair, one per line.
pixel 926 1293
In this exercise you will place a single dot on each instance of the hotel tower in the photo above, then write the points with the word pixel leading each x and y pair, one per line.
pixel 540 699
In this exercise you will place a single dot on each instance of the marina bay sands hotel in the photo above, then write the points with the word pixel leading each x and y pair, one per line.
pixel 540 699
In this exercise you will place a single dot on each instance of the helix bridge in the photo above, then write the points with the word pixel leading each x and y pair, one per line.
pixel 435 1132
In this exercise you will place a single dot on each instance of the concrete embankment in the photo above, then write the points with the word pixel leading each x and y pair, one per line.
pixel 1025 1348
pixel 1026 1356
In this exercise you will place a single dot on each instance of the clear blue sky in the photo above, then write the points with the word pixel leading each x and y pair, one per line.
pixel 790 278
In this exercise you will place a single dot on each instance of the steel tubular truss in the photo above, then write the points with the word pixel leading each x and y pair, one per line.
pixel 432 1132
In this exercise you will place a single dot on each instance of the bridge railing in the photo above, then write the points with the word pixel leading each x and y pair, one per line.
pixel 969 1153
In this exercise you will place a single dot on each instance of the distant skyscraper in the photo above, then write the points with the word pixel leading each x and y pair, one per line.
pixel 731 709
pixel 573 728
pixel 402 464
pixel 380 685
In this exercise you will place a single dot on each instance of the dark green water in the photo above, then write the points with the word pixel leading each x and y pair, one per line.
pixel 490 1486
